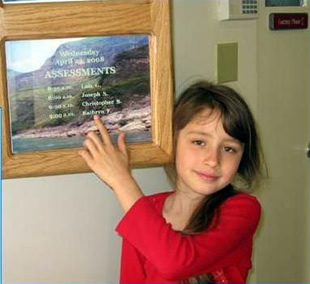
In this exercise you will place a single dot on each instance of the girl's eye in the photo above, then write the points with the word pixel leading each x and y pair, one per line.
pixel 229 149
pixel 199 142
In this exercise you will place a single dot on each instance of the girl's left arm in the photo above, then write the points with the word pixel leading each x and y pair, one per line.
pixel 111 164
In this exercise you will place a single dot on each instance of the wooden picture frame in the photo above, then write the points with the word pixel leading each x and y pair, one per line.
pixel 80 19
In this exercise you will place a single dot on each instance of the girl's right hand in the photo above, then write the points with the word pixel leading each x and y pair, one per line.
pixel 111 164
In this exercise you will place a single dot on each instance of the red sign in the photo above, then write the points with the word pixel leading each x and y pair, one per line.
pixel 288 21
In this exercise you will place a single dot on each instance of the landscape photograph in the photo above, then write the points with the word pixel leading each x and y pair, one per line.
pixel 54 94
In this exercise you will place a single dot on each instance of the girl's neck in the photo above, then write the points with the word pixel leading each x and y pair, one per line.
pixel 185 201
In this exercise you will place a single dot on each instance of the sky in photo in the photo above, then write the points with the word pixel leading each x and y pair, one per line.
pixel 29 55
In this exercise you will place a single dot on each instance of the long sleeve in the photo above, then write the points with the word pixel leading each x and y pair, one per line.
pixel 131 265
pixel 178 256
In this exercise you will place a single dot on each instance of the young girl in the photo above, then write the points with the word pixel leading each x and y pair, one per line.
pixel 201 232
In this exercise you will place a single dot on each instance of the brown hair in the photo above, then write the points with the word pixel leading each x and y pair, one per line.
pixel 239 123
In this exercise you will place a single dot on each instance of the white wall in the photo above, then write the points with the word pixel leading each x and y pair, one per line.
pixel 60 229
pixel 283 108
pixel 197 32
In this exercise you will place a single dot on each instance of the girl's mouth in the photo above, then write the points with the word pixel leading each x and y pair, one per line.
pixel 207 176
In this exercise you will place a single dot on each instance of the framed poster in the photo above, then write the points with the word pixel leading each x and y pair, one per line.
pixel 55 75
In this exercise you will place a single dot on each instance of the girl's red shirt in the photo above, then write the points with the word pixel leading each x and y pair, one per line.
pixel 152 252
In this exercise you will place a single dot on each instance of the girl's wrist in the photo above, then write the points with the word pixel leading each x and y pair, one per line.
pixel 128 192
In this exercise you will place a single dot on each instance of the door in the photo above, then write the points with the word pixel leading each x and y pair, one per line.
pixel 281 252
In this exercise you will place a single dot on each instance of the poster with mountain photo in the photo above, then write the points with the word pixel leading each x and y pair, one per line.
pixel 56 86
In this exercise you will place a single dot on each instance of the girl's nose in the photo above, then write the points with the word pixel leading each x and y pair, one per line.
pixel 212 157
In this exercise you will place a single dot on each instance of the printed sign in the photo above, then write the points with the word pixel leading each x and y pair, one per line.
pixel 288 21
pixel 56 86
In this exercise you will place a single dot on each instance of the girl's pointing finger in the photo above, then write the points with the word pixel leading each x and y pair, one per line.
pixel 103 131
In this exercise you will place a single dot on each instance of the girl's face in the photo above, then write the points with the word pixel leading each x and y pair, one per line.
pixel 207 158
